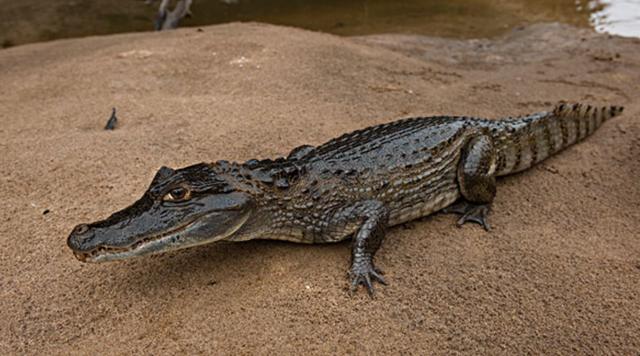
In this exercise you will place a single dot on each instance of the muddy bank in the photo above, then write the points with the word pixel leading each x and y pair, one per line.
pixel 560 270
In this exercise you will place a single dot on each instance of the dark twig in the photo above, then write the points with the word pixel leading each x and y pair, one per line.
pixel 113 121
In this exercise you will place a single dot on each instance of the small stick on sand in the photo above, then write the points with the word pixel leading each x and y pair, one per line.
pixel 113 121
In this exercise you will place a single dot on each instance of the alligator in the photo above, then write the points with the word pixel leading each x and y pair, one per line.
pixel 356 185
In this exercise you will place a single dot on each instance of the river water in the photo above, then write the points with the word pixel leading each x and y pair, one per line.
pixel 36 20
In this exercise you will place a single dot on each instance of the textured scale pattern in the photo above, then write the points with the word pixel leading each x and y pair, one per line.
pixel 410 165
pixel 525 141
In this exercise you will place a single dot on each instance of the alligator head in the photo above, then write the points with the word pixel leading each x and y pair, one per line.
pixel 181 208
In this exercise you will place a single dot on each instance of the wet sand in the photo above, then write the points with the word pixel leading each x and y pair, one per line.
pixel 559 273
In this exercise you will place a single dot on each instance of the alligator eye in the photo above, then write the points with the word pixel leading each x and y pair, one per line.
pixel 177 194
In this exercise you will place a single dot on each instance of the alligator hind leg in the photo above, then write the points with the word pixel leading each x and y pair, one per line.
pixel 477 181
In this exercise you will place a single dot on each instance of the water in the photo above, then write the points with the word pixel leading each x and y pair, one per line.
pixel 618 17
pixel 36 20
pixel 450 18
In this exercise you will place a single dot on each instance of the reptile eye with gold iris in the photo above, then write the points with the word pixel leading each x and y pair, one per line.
pixel 177 194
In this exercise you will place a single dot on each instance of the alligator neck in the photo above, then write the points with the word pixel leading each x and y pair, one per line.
pixel 272 184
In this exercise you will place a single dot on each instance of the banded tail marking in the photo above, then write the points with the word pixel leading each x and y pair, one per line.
pixel 527 140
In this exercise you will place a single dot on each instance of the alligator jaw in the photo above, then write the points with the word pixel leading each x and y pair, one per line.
pixel 108 253
pixel 174 240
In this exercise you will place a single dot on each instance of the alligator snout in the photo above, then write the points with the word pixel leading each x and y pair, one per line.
pixel 80 229
pixel 79 238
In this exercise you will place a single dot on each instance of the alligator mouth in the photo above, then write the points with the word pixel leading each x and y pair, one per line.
pixel 174 239
pixel 107 253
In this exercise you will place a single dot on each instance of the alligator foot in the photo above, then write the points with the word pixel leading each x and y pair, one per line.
pixel 364 272
pixel 470 212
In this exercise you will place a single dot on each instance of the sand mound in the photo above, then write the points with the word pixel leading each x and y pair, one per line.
pixel 560 271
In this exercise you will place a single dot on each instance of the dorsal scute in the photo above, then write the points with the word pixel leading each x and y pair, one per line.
pixel 280 172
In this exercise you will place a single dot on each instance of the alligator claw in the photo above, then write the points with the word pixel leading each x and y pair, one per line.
pixel 478 215
pixel 365 274
pixel 470 212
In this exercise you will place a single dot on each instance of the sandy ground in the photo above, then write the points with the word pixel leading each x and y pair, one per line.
pixel 559 274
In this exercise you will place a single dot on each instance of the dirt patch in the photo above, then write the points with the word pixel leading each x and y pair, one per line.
pixel 560 271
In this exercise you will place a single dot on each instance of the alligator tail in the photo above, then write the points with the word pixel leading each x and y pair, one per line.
pixel 524 141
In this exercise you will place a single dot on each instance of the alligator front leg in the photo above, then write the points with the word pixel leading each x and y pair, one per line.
pixel 375 217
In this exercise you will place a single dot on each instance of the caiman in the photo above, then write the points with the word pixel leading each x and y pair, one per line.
pixel 356 185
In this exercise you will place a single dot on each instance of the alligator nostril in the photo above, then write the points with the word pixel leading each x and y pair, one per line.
pixel 81 229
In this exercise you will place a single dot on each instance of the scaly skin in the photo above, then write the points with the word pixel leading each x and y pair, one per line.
pixel 356 185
